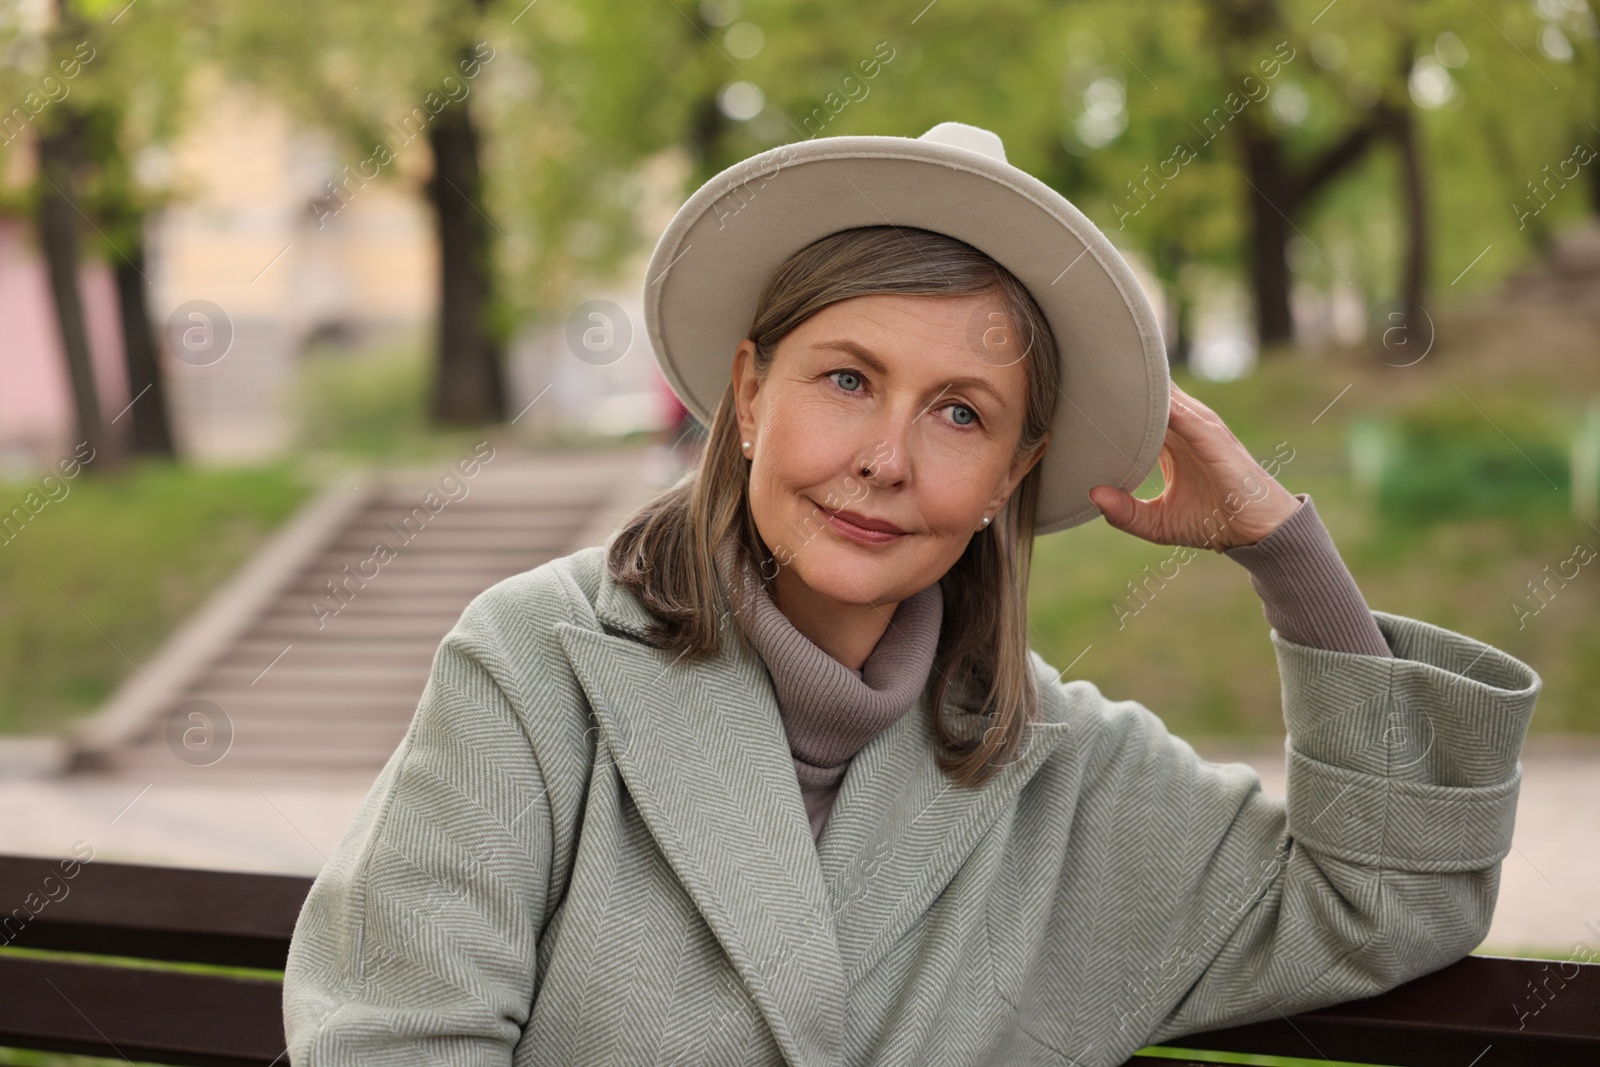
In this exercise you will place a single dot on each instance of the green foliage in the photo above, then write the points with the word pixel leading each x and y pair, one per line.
pixel 1448 461
pixel 576 98
pixel 371 402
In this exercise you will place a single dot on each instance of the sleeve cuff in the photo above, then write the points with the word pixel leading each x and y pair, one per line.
pixel 1409 762
pixel 1374 821
pixel 1307 593
pixel 1445 709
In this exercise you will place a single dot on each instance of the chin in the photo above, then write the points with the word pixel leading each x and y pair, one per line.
pixel 851 574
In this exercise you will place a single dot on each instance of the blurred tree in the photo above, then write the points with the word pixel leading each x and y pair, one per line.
pixel 59 139
pixel 1494 88
pixel 537 118
pixel 60 160
pixel 551 126
pixel 1330 151
pixel 107 104
pixel 1281 188
pixel 123 208
pixel 469 378
pixel 601 112
pixel 376 78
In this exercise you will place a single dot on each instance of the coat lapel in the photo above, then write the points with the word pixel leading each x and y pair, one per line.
pixel 900 829
pixel 702 749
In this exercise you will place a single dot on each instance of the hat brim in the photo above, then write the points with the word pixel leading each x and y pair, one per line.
pixel 729 238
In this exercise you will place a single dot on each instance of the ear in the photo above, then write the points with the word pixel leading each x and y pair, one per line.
pixel 746 386
pixel 1019 470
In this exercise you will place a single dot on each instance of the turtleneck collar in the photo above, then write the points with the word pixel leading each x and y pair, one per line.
pixel 830 711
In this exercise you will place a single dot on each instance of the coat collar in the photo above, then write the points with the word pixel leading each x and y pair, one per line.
pixel 702 749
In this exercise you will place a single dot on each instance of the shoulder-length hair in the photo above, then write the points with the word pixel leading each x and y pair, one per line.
pixel 665 553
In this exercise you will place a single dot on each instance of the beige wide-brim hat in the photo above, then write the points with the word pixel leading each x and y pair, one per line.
pixel 731 236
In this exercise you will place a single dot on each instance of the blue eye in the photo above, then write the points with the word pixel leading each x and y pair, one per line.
pixel 847 380
pixel 962 415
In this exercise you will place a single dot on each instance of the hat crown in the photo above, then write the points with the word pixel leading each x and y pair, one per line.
pixel 972 138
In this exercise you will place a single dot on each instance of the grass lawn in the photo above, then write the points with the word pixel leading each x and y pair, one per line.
pixel 1463 521
pixel 98 577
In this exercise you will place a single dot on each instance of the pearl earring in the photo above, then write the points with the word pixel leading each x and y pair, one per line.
pixel 985 522
pixel 747 446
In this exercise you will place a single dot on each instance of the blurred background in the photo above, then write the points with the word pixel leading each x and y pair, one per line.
pixel 285 281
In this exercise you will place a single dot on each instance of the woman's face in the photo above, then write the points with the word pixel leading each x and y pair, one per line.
pixel 901 386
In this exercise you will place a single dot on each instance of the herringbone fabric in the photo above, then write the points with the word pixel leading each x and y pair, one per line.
pixel 587 851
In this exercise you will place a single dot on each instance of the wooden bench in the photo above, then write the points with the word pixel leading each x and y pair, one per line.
pixel 1478 1012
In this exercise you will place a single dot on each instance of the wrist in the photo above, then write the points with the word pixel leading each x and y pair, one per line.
pixel 1285 505
pixel 1270 514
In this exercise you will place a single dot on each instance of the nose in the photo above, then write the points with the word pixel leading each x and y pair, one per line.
pixel 885 461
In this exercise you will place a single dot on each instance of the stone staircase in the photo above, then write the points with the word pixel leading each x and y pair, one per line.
pixel 326 677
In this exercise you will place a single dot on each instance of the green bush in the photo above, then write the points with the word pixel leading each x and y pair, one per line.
pixel 1450 462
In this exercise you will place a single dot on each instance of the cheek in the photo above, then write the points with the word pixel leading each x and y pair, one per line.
pixel 804 448
pixel 792 460
pixel 957 480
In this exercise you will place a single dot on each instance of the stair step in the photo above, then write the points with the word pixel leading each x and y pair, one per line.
pixel 338 693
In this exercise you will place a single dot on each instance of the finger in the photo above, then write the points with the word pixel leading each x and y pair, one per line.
pixel 1185 430
pixel 1122 510
pixel 1177 450
pixel 1188 405
pixel 1113 504
pixel 1197 437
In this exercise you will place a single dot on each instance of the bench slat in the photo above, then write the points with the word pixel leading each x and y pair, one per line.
pixel 158 1016
pixel 156 913
pixel 1448 1017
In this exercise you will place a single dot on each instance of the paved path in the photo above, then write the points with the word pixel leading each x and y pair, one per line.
pixel 278 821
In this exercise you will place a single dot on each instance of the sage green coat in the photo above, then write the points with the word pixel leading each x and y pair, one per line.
pixel 586 851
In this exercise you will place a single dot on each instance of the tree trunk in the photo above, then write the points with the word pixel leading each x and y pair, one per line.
pixel 1272 202
pixel 152 428
pixel 1594 186
pixel 1182 342
pixel 1280 193
pixel 1168 260
pixel 57 223
pixel 469 385
pixel 1415 193
pixel 707 123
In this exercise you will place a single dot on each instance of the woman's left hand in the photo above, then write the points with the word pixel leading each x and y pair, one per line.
pixel 1216 495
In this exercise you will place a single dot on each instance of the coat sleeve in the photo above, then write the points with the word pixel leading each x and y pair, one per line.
pixel 417 942
pixel 1382 865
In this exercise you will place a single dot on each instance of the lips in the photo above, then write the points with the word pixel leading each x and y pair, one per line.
pixel 863 529
pixel 868 523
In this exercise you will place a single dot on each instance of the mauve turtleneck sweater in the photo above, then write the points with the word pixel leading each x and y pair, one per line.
pixel 830 712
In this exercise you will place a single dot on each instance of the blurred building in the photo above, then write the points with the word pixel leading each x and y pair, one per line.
pixel 270 245
pixel 253 233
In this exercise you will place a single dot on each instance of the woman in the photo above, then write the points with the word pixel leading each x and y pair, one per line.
pixel 773 776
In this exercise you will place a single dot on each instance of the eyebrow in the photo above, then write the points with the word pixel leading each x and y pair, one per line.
pixel 866 356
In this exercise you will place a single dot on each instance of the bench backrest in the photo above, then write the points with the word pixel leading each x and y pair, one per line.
pixel 1482 1011
pixel 60 1003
